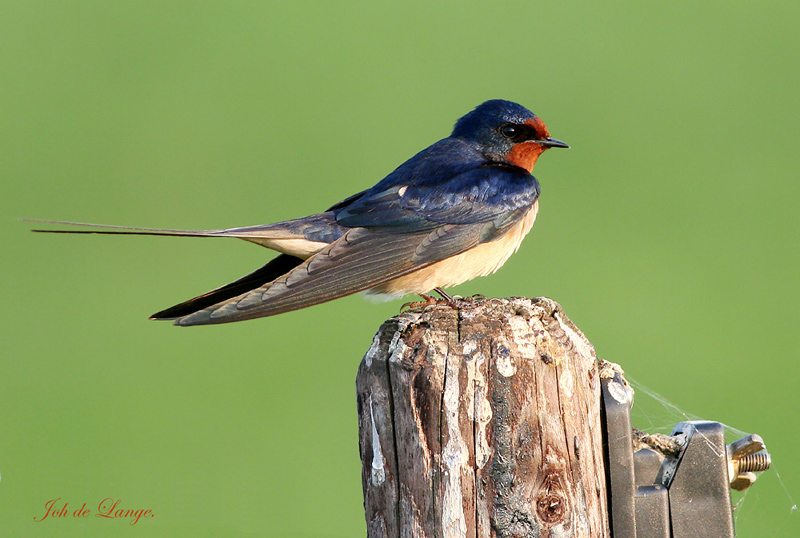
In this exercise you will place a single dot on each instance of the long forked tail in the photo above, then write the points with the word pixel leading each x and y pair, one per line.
pixel 123 230
pixel 297 237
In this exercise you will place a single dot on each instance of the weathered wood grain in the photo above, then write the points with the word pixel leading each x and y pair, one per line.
pixel 482 421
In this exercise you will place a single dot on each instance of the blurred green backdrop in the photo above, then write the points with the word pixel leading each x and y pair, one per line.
pixel 669 233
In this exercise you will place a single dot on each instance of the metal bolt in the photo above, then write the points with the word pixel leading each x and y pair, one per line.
pixel 755 462
pixel 745 457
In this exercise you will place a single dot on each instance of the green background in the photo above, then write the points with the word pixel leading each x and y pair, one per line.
pixel 669 233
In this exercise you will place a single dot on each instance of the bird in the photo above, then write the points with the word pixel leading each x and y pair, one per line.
pixel 456 210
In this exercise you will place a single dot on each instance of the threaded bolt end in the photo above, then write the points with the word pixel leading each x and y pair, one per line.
pixel 760 461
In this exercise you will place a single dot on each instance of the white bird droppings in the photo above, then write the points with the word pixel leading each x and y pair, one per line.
pixel 378 473
pixel 506 366
pixel 455 456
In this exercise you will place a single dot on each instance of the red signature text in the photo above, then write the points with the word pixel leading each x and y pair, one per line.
pixel 109 508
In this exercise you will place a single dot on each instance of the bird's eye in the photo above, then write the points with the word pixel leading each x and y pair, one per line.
pixel 509 131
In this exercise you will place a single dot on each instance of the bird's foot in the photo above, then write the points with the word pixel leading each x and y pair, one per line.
pixel 430 300
pixel 451 300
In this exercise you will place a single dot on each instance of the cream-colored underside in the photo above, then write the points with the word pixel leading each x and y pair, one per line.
pixel 302 248
pixel 482 260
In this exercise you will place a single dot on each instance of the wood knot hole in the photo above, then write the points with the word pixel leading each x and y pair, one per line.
pixel 551 508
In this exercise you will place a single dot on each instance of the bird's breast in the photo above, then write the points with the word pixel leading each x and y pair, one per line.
pixel 484 259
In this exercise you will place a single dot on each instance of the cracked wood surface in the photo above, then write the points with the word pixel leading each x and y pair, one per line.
pixel 482 421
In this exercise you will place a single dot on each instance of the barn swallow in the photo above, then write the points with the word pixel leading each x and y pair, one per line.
pixel 454 211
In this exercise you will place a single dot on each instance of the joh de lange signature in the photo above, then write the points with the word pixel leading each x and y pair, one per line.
pixel 108 508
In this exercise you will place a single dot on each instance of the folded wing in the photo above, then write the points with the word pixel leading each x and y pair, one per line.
pixel 361 259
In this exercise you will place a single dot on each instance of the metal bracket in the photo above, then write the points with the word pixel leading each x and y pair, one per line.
pixel 681 496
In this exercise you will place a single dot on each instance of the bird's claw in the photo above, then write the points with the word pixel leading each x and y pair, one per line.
pixel 430 300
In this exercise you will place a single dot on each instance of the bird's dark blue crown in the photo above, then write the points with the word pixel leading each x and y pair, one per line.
pixel 491 114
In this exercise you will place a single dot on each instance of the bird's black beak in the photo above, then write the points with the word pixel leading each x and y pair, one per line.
pixel 551 143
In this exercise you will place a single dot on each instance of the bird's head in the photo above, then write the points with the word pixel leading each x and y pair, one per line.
pixel 506 132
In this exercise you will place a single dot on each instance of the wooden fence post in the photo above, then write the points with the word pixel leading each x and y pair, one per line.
pixel 482 422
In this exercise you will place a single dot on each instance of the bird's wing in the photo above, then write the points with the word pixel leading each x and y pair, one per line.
pixel 360 260
pixel 276 267
pixel 481 194
pixel 298 237
pixel 390 241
